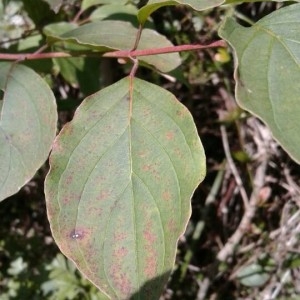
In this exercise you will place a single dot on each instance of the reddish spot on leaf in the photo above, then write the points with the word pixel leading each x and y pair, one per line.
pixel 121 280
pixel 149 236
pixel 95 210
pixel 178 153
pixel 69 179
pixel 151 265
pixel 172 226
pixel 166 195
pixel 147 167
pixel 120 236
pixel 121 252
pixel 170 135
pixel 66 200
pixel 180 113
pixel 103 195
pixel 146 112
pixel 151 255
pixel 142 154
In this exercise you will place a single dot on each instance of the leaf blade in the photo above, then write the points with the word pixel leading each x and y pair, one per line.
pixel 136 200
pixel 27 124
pixel 267 72
pixel 153 5
pixel 117 35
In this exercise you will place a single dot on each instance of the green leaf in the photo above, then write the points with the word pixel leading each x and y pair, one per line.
pixel 88 3
pixel 118 12
pixel 267 72
pixel 56 29
pixel 243 1
pixel 27 126
pixel 118 35
pixel 119 188
pixel 153 5
pixel 105 11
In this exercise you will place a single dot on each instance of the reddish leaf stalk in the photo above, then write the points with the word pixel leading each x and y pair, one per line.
pixel 115 54
pixel 164 50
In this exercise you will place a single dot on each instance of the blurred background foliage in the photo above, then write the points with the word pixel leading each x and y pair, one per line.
pixel 264 263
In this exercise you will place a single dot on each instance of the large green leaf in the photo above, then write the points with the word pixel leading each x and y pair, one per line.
pixel 108 10
pixel 153 5
pixel 27 126
pixel 119 188
pixel 118 35
pixel 268 72
pixel 242 1
pixel 88 3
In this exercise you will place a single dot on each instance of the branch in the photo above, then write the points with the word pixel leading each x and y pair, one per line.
pixel 115 54
pixel 164 50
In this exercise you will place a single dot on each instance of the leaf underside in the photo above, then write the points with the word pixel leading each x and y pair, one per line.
pixel 153 5
pixel 119 188
pixel 267 72
pixel 27 126
pixel 119 35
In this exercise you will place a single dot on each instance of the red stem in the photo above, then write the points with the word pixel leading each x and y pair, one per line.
pixel 164 50
pixel 117 54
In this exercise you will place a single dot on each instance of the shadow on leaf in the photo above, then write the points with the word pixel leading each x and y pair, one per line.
pixel 152 289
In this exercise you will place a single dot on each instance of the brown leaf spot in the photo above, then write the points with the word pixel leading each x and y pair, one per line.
pixel 69 179
pixel 166 195
pixel 121 252
pixel 150 252
pixel 146 112
pixel 95 211
pixel 170 135
pixel 121 280
pixel 120 236
pixel 171 226
pixel 151 266
pixel 147 167
pixel 65 200
pixel 180 113
pixel 149 236
pixel 178 152
pixel 103 195
pixel 142 154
